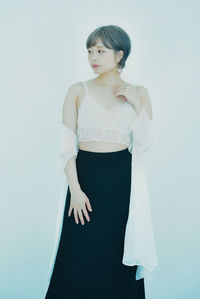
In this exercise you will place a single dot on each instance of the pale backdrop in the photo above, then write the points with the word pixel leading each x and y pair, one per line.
pixel 42 53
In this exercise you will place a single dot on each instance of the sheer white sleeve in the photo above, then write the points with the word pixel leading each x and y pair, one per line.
pixel 143 131
pixel 139 243
pixel 68 146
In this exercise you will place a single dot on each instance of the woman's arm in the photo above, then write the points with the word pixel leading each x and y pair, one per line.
pixel 143 129
pixel 69 120
pixel 145 100
pixel 67 153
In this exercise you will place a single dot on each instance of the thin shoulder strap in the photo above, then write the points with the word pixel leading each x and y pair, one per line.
pixel 86 89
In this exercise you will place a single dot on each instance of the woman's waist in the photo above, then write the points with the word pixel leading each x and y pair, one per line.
pixel 101 146
pixel 100 151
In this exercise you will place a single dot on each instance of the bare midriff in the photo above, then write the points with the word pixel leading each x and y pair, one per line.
pixel 99 146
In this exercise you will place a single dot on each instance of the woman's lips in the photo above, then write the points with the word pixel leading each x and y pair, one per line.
pixel 95 65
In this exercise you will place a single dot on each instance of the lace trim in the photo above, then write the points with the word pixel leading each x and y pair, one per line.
pixel 95 134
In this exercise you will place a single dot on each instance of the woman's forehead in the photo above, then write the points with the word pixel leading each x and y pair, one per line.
pixel 99 45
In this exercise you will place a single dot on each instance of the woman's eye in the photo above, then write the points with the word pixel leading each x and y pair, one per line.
pixel 98 51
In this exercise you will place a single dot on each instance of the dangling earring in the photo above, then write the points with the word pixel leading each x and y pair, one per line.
pixel 118 69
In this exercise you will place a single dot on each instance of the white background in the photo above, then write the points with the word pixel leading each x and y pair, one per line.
pixel 43 52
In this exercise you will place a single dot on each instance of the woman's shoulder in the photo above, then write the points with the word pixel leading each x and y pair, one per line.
pixel 144 95
pixel 77 89
pixel 142 92
pixel 139 88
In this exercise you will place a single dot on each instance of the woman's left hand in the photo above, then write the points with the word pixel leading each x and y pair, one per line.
pixel 129 92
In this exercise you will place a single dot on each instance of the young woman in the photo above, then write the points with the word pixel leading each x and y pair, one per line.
pixel 102 251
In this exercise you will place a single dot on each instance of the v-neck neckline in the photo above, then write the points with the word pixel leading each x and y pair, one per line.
pixel 115 108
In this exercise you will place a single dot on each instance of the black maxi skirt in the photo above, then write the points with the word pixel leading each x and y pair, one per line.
pixel 88 263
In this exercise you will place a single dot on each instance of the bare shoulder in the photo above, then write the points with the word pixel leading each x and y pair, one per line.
pixel 69 109
pixel 144 96
pixel 75 89
pixel 74 92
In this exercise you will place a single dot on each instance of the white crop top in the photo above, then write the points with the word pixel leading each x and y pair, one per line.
pixel 97 123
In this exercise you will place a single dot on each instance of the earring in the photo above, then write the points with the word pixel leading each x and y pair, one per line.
pixel 118 69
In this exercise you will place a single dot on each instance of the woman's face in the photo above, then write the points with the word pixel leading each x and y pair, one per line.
pixel 101 56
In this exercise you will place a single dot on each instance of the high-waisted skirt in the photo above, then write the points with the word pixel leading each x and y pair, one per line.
pixel 88 263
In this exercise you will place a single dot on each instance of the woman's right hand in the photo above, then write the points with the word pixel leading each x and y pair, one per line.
pixel 79 201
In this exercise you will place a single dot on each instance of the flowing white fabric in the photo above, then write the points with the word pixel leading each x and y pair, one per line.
pixel 68 146
pixel 139 246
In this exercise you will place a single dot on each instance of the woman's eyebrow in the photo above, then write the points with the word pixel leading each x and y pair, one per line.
pixel 98 47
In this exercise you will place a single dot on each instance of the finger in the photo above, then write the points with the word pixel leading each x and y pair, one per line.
pixel 123 87
pixel 81 216
pixel 70 210
pixel 75 216
pixel 88 205
pixel 122 92
pixel 86 214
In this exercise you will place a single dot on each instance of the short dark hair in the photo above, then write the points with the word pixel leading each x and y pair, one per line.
pixel 113 37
